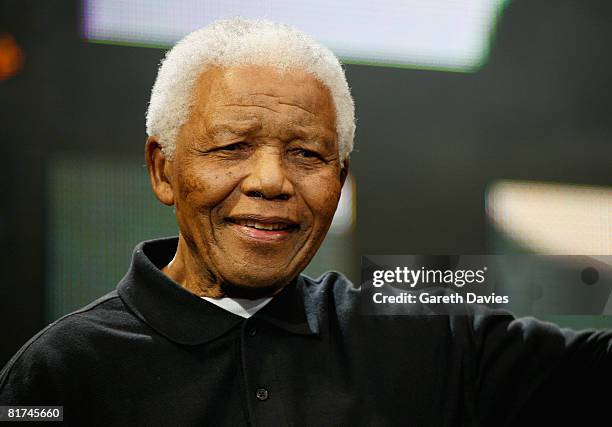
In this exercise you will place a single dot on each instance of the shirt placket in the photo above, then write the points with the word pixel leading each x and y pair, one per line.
pixel 263 393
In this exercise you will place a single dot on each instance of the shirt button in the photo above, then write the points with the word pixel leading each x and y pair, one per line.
pixel 252 331
pixel 262 394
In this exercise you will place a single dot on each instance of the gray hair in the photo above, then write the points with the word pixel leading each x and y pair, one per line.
pixel 240 41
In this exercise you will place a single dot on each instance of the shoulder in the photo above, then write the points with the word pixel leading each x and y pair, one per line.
pixel 333 283
pixel 51 366
pixel 332 288
pixel 330 296
pixel 67 339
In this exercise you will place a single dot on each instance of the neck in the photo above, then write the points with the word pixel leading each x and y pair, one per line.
pixel 192 274
pixel 185 270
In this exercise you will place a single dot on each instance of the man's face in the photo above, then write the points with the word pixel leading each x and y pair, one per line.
pixel 256 176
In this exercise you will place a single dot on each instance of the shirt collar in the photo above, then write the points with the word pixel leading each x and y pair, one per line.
pixel 185 318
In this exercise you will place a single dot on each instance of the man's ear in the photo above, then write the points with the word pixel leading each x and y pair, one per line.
pixel 159 171
pixel 344 172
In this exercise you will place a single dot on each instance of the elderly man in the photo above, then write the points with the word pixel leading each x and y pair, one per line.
pixel 250 126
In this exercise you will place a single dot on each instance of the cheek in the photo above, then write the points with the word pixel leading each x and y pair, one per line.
pixel 322 195
pixel 202 186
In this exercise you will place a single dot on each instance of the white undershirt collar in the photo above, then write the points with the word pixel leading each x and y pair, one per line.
pixel 240 306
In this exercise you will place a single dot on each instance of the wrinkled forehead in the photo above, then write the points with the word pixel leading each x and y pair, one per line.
pixel 294 91
pixel 292 86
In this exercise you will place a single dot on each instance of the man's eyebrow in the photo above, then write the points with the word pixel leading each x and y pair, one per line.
pixel 236 128
pixel 309 133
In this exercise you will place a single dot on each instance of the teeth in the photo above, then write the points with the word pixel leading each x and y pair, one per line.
pixel 261 225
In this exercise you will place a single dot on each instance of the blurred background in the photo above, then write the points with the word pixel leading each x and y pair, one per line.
pixel 483 127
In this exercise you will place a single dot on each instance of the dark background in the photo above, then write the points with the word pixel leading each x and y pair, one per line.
pixel 428 142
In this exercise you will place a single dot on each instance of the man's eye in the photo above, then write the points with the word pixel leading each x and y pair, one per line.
pixel 307 153
pixel 232 147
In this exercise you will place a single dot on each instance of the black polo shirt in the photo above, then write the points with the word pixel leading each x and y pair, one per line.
pixel 152 353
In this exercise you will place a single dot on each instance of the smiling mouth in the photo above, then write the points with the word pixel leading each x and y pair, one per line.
pixel 264 228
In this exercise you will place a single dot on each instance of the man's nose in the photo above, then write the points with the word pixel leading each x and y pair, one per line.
pixel 267 177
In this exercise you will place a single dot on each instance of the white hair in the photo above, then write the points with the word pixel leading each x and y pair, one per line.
pixel 240 41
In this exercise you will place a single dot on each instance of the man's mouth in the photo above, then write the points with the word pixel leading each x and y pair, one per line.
pixel 263 228
pixel 263 225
